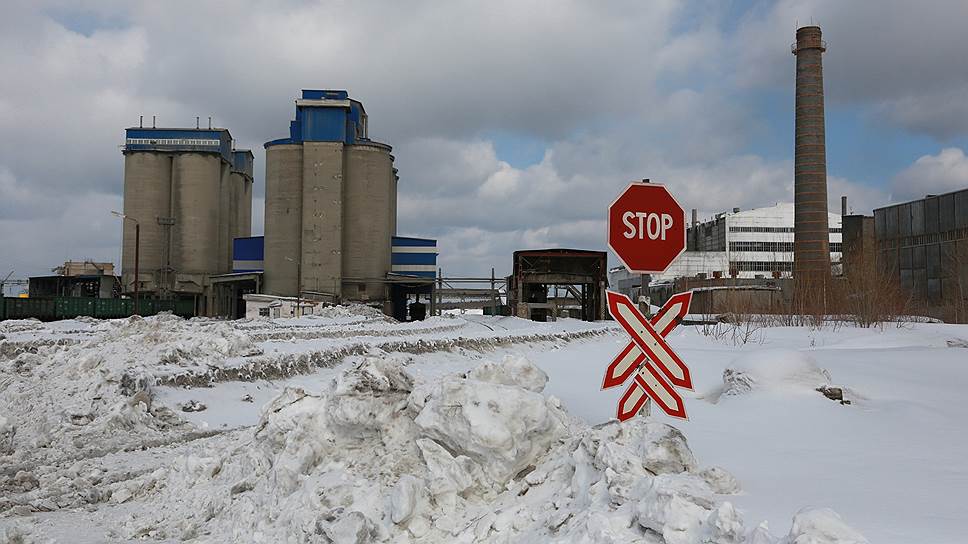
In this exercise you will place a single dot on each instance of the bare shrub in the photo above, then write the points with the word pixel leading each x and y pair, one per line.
pixel 741 323
pixel 870 295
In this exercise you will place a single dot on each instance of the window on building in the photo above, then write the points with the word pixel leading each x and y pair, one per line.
pixel 760 229
pixel 761 266
pixel 761 246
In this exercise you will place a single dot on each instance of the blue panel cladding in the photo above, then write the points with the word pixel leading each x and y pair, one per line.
pixel 179 139
pixel 413 258
pixel 248 249
pixel 242 162
pixel 408 254
pixel 331 122
pixel 414 242
pixel 320 124
pixel 226 147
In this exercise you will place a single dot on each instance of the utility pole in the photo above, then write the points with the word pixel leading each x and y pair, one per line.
pixel 137 258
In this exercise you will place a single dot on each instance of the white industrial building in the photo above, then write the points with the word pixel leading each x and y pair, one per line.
pixel 755 243
pixel 748 244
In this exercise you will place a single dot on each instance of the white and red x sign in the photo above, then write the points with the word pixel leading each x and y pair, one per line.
pixel 649 357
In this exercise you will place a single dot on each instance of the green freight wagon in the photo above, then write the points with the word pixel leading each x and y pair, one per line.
pixel 113 308
pixel 44 309
pixel 185 308
pixel 54 308
pixel 71 307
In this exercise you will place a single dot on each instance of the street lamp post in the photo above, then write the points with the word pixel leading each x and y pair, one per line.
pixel 137 258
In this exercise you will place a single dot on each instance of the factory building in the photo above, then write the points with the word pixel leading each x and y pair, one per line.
pixel 924 245
pixel 187 195
pixel 540 274
pixel 756 243
pixel 331 202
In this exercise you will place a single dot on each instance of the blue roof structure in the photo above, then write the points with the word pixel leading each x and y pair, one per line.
pixel 326 116
pixel 204 140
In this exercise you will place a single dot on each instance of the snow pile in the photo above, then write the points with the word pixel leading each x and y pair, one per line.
pixel 513 370
pixel 168 343
pixel 478 458
pixel 784 370
pixel 96 396
pixel 13 534
pixel 350 310
pixel 821 526
pixel 501 427
pixel 7 431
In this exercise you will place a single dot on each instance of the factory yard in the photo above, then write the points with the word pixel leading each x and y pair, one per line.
pixel 351 427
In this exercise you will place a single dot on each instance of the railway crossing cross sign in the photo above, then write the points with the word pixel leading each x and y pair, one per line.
pixel 647 231
pixel 655 367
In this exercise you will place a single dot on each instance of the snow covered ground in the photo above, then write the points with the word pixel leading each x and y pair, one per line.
pixel 348 427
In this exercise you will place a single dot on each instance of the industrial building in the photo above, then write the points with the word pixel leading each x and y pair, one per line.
pixel 187 195
pixel 859 242
pixel 758 243
pixel 331 202
pixel 923 244
pixel 81 279
pixel 538 275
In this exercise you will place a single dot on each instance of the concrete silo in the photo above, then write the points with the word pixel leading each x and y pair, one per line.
pixel 242 193
pixel 369 202
pixel 197 207
pixel 322 217
pixel 179 187
pixel 283 218
pixel 330 204
pixel 147 197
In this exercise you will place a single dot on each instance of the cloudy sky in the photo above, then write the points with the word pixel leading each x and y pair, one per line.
pixel 513 123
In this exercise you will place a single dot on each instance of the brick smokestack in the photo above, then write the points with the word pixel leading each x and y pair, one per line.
pixel 811 246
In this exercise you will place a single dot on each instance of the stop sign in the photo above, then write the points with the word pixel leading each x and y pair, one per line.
pixel 646 228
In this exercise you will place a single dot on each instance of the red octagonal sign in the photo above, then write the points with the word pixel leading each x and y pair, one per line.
pixel 646 228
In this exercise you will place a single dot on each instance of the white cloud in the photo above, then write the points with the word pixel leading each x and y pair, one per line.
pixel 903 60
pixel 618 91
pixel 550 205
pixel 861 199
pixel 932 174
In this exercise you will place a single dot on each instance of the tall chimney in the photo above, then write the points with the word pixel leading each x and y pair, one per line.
pixel 843 205
pixel 695 217
pixel 811 238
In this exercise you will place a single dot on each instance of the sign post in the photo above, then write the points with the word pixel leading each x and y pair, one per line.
pixel 647 231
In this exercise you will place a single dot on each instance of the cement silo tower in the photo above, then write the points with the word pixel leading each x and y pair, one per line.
pixel 330 204
pixel 184 190
pixel 239 210
pixel 811 250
